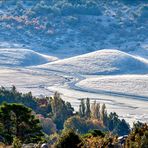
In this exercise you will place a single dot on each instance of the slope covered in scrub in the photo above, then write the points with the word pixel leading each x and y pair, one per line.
pixel 74 27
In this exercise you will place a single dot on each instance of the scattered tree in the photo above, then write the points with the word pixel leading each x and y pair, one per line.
pixel 88 111
pixel 104 114
pixel 60 110
pixel 82 108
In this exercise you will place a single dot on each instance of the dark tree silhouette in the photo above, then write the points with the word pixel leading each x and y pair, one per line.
pixel 18 121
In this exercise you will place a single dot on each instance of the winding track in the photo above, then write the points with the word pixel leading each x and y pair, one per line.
pixel 78 78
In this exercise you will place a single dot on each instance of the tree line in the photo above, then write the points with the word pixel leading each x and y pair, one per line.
pixel 26 119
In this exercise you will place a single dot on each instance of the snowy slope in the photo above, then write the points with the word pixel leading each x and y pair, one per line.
pixel 107 61
pixel 125 84
pixel 22 57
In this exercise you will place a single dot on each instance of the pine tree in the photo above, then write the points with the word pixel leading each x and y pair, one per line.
pixel 82 108
pixel 80 111
pixel 93 110
pixel 18 121
pixel 97 111
pixel 88 111
pixel 104 114
pixel 55 103
pixel 60 110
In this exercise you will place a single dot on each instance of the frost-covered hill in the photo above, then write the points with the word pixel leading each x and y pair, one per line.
pixel 120 84
pixel 107 61
pixel 17 57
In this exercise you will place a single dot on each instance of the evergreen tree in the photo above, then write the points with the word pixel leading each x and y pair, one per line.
pixel 104 114
pixel 7 124
pixel 80 111
pixel 122 128
pixel 82 108
pixel 98 111
pixel 18 121
pixel 55 102
pixel 88 111
pixel 113 121
pixel 60 110
pixel 13 89
pixel 93 110
pixel 116 125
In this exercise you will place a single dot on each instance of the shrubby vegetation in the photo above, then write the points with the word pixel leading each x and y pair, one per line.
pixel 138 137
pixel 16 143
pixel 69 138
pixel 53 23
pixel 63 7
pixel 54 121
pixel 48 126
pixel 82 125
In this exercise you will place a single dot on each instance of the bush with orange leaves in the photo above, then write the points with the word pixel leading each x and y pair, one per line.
pixel 100 140
pixel 138 137
pixel 82 125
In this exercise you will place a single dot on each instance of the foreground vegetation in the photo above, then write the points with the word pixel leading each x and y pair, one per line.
pixel 25 119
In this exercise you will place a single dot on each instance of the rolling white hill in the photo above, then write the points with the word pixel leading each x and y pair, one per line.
pixel 102 62
pixel 15 57
pixel 120 84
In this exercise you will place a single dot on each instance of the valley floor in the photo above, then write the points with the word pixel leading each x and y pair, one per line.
pixel 109 76
pixel 127 95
